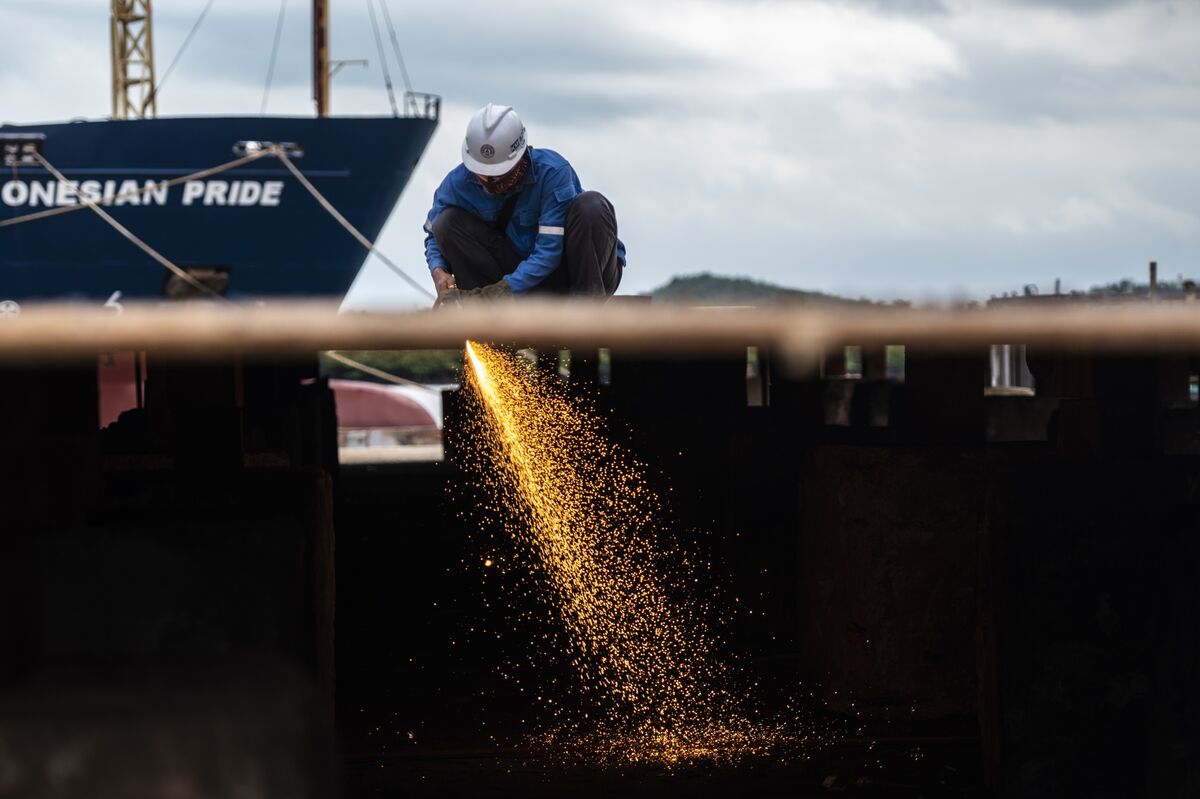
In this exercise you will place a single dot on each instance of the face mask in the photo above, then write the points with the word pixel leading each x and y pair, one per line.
pixel 503 184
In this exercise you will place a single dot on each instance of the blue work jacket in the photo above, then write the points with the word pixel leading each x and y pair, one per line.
pixel 538 222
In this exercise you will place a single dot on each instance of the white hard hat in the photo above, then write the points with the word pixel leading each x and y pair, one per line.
pixel 495 141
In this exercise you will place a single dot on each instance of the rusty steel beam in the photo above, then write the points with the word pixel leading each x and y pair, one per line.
pixel 797 333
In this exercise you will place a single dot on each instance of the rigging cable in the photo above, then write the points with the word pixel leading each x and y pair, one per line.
pixel 204 173
pixel 274 54
pixel 182 47
pixel 371 370
pixel 87 202
pixel 387 18
pixel 183 274
pixel 387 75
pixel 124 231
pixel 353 231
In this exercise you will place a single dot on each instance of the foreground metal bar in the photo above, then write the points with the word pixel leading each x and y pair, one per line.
pixel 201 331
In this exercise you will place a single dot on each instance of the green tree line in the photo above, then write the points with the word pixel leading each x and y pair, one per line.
pixel 423 366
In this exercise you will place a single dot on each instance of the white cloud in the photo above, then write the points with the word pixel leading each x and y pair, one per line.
pixel 1156 214
pixel 1072 215
pixel 1159 35
pixel 764 47
pixel 828 144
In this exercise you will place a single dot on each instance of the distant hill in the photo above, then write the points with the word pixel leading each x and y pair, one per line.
pixel 709 289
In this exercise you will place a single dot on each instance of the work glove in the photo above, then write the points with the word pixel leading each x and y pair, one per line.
pixel 450 298
pixel 494 292
pixel 500 290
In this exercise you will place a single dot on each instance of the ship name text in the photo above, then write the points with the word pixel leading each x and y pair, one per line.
pixel 50 193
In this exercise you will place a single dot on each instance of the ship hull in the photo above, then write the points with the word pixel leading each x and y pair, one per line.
pixel 255 223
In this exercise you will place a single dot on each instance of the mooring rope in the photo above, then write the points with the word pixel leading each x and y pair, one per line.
pixel 275 150
pixel 371 370
pixel 185 276
pixel 353 231
pixel 88 202
pixel 182 274
pixel 204 173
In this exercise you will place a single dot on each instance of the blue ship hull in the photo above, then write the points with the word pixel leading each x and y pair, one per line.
pixel 255 221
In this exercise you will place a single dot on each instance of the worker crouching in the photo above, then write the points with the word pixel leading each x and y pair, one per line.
pixel 513 220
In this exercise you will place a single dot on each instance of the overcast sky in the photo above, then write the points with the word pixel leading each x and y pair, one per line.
pixel 907 148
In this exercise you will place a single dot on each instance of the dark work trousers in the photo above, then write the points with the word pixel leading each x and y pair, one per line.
pixel 478 254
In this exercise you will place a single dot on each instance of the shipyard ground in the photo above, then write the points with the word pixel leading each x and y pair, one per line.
pixel 1002 591
pixel 939 773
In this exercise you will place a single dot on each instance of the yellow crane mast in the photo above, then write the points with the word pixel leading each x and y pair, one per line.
pixel 132 60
